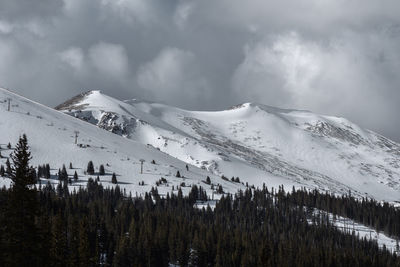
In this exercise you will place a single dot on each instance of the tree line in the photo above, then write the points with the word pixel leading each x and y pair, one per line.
pixel 98 226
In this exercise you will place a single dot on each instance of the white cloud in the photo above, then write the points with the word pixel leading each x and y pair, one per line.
pixel 172 76
pixel 74 57
pixel 5 27
pixel 182 13
pixel 109 59
pixel 286 67
pixel 132 11
pixel 344 59
pixel 349 75
pixel 7 56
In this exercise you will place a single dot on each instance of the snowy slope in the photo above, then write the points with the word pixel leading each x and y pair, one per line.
pixel 51 137
pixel 347 225
pixel 258 143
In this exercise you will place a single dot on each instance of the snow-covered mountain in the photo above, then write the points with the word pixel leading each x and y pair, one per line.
pixel 51 136
pixel 258 143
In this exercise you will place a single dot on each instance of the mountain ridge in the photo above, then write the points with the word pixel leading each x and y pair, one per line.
pixel 51 136
pixel 295 147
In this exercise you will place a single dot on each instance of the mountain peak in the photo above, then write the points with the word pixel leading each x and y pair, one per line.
pixel 74 101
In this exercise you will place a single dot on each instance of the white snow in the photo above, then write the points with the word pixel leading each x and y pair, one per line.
pixel 347 225
pixel 51 138
pixel 258 143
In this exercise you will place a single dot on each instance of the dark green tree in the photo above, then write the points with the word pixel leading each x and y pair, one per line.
pixel 2 171
pixel 21 233
pixel 101 170
pixel 90 168
pixel 114 178
pixel 47 171
pixel 84 246
pixel 58 249
pixel 8 167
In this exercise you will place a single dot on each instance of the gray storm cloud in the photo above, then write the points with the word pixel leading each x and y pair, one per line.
pixel 333 57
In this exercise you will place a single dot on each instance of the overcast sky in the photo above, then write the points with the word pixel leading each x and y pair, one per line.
pixel 336 57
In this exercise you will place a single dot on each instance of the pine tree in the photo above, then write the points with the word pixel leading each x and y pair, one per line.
pixel 40 171
pixel 8 168
pixel 84 246
pixel 220 190
pixel 114 178
pixel 90 168
pixel 47 171
pixel 178 174
pixel 58 248
pixel 34 176
pixel 63 175
pixel 2 171
pixel 101 170
pixel 21 234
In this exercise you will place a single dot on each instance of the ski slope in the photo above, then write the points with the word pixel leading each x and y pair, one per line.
pixel 258 143
pixel 51 136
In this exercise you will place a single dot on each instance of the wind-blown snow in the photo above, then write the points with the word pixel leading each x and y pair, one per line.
pixel 51 138
pixel 258 143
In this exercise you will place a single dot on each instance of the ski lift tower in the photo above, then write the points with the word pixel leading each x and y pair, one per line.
pixel 141 165
pixel 76 136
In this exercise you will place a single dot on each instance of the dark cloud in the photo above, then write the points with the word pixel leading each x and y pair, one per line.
pixel 333 57
pixel 15 10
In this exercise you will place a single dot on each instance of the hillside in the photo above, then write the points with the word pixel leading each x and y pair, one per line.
pixel 51 136
pixel 258 143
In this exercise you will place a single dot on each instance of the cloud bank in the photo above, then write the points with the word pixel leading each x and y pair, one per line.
pixel 333 57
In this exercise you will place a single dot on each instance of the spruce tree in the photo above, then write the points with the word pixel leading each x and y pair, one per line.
pixel 64 174
pixel 58 238
pixel 2 171
pixel 8 168
pixel 90 168
pixel 114 178
pixel 101 170
pixel 75 176
pixel 47 172
pixel 21 233
pixel 40 171
pixel 84 246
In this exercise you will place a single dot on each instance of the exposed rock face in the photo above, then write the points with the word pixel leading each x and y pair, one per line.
pixel 256 141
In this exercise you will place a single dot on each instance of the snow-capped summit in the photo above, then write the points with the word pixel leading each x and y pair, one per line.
pixel 258 143
pixel 51 136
